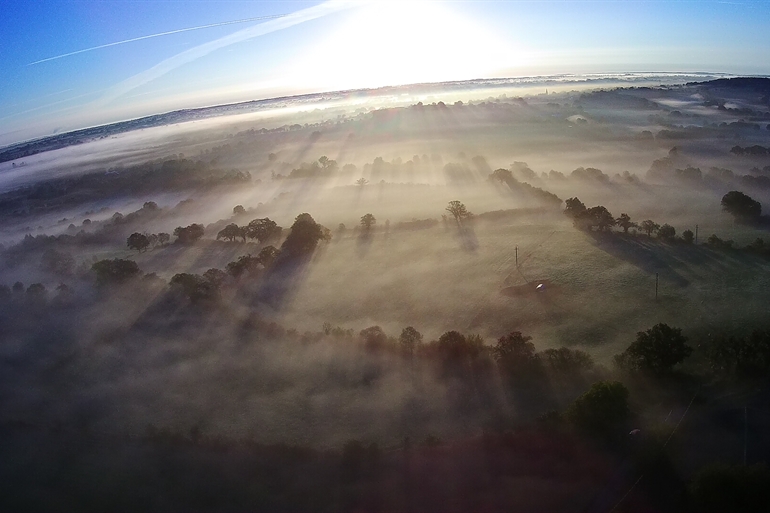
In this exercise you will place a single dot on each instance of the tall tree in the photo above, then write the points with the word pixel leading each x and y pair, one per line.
pixel 624 221
pixel 648 226
pixel 656 350
pixel 458 211
pixel 138 241
pixel 741 206
pixel 367 220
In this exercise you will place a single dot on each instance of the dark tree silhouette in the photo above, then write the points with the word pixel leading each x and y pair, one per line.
pixel 602 410
pixel 263 229
pixel 458 211
pixel 666 232
pixel 688 236
pixel 188 234
pixel 656 350
pixel 230 232
pixel 374 338
pixel 303 237
pixel 367 220
pixel 648 226
pixel 362 181
pixel 574 207
pixel 196 288
pixel 267 255
pixel 115 271
pixel 599 217
pixel 57 262
pixel 238 210
pixel 624 221
pixel 410 339
pixel 163 238
pixel 138 241
pixel 741 206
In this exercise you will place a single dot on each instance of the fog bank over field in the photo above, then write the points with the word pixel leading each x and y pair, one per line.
pixel 408 271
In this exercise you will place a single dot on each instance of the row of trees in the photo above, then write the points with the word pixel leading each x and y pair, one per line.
pixel 602 220
pixel 262 230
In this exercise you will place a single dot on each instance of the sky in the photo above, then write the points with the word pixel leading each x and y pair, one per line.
pixel 69 64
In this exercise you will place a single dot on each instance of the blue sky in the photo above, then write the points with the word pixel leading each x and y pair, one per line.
pixel 336 45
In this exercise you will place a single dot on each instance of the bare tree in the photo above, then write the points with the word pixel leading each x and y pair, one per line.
pixel 458 210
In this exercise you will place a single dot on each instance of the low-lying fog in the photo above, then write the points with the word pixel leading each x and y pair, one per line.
pixel 119 358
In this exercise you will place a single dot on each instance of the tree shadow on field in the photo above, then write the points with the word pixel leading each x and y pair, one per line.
pixel 467 238
pixel 644 254
pixel 364 242
pixel 282 281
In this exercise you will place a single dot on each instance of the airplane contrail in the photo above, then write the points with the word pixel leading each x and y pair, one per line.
pixel 166 65
pixel 212 25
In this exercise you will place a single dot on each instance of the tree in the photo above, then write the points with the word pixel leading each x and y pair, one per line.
pixel 741 206
pixel 263 229
pixel 648 226
pixel 457 352
pixel 566 361
pixel 666 232
pixel 37 293
pixel 195 287
pixel 624 221
pixel 656 350
pixel 163 238
pixel 230 232
pixel 57 262
pixel 115 271
pixel 215 276
pixel 138 241
pixel 688 236
pixel 516 357
pixel 188 234
pixel 150 205
pixel 238 210
pixel 245 263
pixel 458 211
pixel 362 181
pixel 410 338
pixel 303 237
pixel 374 338
pixel 602 410
pixel 267 255
pixel 599 217
pixel 367 220
pixel 574 207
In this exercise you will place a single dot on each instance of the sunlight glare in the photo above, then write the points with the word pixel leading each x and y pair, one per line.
pixel 400 43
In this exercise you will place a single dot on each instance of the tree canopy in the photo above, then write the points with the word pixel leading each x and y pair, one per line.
pixel 656 350
pixel 458 211
pixel 741 206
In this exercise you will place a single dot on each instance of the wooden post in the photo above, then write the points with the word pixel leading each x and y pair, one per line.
pixel 745 431
pixel 517 256
pixel 656 286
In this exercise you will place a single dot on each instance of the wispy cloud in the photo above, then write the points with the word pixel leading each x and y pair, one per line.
pixel 159 34
pixel 202 50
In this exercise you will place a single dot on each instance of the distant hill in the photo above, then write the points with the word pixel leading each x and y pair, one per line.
pixel 744 83
pixel 55 142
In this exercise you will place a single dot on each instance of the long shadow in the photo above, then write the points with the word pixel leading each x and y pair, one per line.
pixel 467 238
pixel 364 243
pixel 282 281
pixel 643 254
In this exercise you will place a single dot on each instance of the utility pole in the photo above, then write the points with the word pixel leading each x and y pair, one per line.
pixel 517 256
pixel 656 286
pixel 745 431
pixel 696 234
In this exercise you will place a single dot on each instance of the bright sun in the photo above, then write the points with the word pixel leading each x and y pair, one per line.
pixel 402 43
